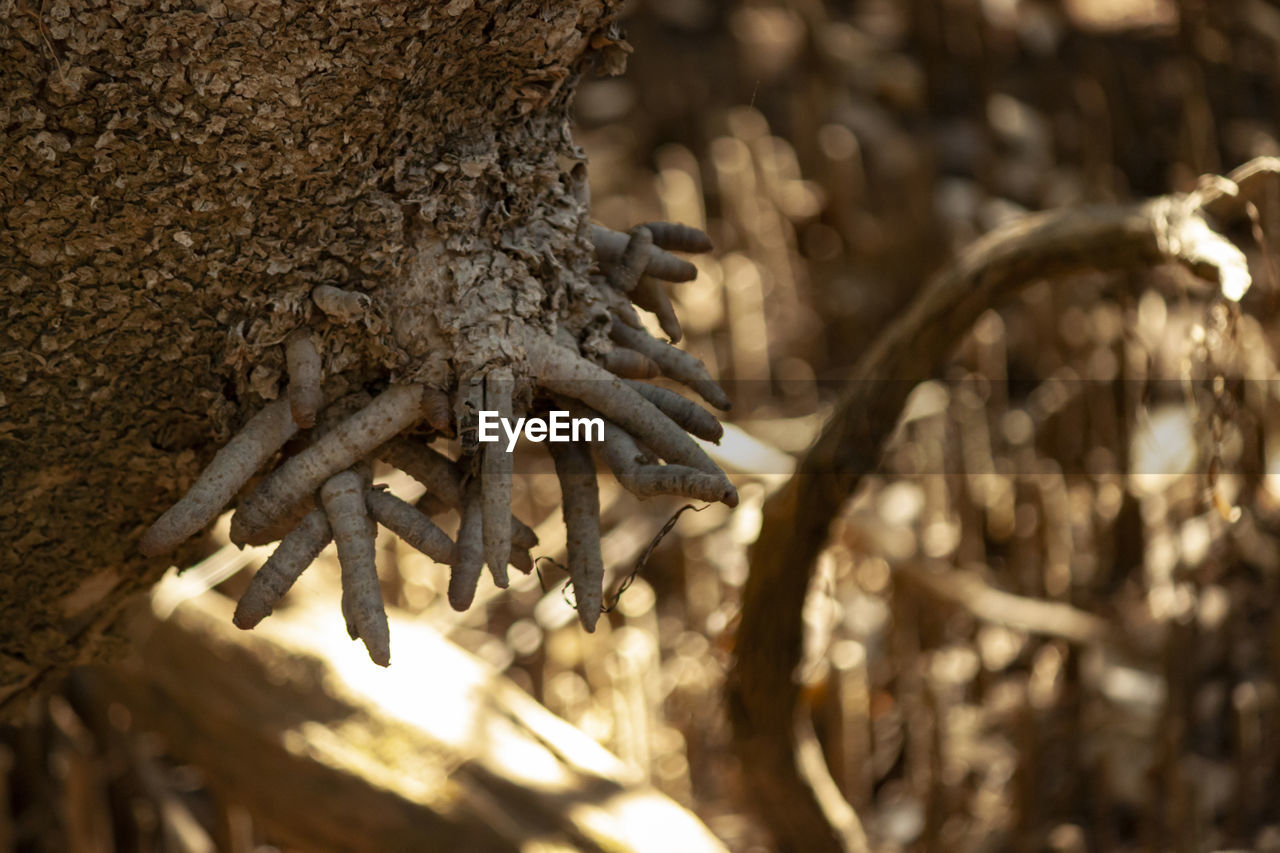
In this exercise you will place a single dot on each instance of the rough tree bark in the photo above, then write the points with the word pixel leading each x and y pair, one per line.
pixel 175 180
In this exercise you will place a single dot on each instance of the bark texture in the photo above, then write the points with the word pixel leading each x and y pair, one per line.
pixel 176 179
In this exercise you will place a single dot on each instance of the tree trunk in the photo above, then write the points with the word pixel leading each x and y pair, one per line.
pixel 175 179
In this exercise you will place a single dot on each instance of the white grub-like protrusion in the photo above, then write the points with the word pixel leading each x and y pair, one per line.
pixel 306 395
pixel 674 363
pixel 679 238
pixel 295 552
pixel 643 479
pixel 395 409
pixel 443 481
pixel 496 467
pixel 581 503
pixel 627 272
pixel 470 559
pixel 564 372
pixel 691 417
pixel 650 296
pixel 232 466
pixel 610 245
pixel 629 364
pixel 410 525
pixel 343 496
pixel 342 305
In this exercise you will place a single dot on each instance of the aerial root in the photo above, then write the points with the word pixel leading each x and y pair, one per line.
pixel 679 238
pixel 496 466
pixel 392 411
pixel 410 525
pixel 470 559
pixel 610 246
pixel 691 417
pixel 650 296
pixel 306 395
pixel 436 409
pixel 354 531
pixel 626 460
pixel 443 481
pixel 619 305
pixel 564 372
pixel 276 577
pixel 329 417
pixel 581 506
pixel 232 466
pixel 674 363
pixel 626 273
pixel 629 364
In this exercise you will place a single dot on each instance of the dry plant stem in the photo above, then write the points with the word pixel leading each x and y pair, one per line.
pixel 278 574
pixel 629 364
pixel 343 496
pixel 674 363
pixel 232 466
pixel 443 481
pixel 410 525
pixel 581 503
pixel 567 373
pixel 496 468
pixel 762 694
pixel 342 305
pixel 306 395
pixel 392 411
pixel 466 569
pixel 691 417
pixel 610 245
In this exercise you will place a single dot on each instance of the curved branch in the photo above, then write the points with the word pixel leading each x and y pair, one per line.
pixel 763 699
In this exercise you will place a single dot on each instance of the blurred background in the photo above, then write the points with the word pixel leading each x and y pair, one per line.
pixel 1047 622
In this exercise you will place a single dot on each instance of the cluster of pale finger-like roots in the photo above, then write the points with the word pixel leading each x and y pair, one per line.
pixel 324 492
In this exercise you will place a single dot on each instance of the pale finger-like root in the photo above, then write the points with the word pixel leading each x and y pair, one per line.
pixel 496 468
pixel 679 238
pixel 581 507
pixel 276 577
pixel 466 569
pixel 232 466
pixel 411 526
pixel 610 245
pixel 392 411
pixel 691 417
pixel 626 273
pixel 565 372
pixel 343 496
pixel 342 305
pixel 650 296
pixel 306 395
pixel 329 417
pixel 443 480
pixel 619 305
pixel 626 460
pixel 629 364
pixel 674 363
